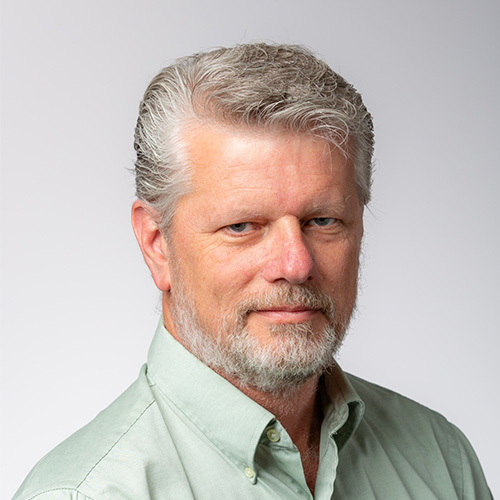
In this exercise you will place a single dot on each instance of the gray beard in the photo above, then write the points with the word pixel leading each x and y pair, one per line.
pixel 232 351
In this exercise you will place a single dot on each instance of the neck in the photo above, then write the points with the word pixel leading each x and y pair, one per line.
pixel 298 410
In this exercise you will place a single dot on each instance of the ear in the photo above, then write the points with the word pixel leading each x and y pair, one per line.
pixel 153 245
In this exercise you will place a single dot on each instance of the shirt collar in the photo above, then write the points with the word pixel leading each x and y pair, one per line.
pixel 231 420
pixel 343 408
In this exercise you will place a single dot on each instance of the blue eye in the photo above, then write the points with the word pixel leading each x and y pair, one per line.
pixel 322 221
pixel 239 227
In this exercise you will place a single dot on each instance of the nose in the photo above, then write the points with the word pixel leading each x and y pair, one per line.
pixel 289 257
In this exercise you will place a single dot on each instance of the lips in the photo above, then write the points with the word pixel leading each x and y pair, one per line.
pixel 288 304
pixel 289 308
pixel 287 314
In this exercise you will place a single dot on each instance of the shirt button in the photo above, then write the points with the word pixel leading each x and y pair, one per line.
pixel 249 472
pixel 273 435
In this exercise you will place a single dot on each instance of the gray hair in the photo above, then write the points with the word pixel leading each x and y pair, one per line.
pixel 273 87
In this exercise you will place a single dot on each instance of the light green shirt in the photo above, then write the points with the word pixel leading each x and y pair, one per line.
pixel 183 432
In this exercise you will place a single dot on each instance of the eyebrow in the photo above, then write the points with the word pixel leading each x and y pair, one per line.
pixel 336 206
pixel 248 213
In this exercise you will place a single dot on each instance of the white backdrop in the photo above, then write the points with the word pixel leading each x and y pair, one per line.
pixel 78 305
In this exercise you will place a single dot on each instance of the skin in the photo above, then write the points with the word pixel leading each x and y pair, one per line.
pixel 263 209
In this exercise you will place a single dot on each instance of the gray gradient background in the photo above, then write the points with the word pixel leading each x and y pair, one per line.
pixel 78 305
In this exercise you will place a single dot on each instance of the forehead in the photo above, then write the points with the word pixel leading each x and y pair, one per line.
pixel 218 153
pixel 261 172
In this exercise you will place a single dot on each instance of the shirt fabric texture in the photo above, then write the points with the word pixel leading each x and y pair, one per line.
pixel 183 432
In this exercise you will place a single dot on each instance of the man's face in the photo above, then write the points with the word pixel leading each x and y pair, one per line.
pixel 264 254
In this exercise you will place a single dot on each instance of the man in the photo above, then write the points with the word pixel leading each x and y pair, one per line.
pixel 253 168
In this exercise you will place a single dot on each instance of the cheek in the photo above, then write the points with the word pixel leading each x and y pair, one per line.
pixel 221 278
pixel 338 268
pixel 350 278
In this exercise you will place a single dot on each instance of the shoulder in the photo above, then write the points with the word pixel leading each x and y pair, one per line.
pixel 402 418
pixel 416 441
pixel 62 474
pixel 380 401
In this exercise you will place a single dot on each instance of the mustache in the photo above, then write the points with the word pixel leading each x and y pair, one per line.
pixel 293 296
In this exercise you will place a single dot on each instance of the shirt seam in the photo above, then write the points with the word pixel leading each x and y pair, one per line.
pixel 113 445
pixel 61 489
pixel 460 452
